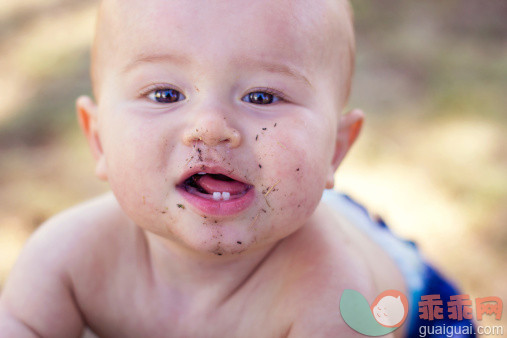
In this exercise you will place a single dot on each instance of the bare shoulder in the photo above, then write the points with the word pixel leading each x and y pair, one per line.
pixel 71 237
pixel 328 256
pixel 89 220
pixel 39 293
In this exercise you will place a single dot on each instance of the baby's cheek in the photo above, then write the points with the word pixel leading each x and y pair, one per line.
pixel 303 191
pixel 300 185
pixel 138 200
pixel 133 173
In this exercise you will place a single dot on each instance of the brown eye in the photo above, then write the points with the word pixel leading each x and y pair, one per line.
pixel 260 97
pixel 167 95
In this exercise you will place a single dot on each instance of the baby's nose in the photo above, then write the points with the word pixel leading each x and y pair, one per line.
pixel 211 129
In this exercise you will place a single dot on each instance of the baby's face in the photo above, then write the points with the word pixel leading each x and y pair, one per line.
pixel 217 120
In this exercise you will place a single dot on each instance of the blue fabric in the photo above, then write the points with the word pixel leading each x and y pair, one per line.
pixel 421 278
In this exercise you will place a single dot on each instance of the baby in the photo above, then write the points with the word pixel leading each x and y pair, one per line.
pixel 218 126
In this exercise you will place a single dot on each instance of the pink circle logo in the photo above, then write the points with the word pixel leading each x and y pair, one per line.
pixel 390 308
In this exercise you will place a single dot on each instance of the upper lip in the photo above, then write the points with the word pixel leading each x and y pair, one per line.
pixel 210 169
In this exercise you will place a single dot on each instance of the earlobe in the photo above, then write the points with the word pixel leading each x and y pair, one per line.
pixel 87 116
pixel 349 128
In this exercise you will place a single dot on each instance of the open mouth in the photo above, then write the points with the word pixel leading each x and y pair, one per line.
pixel 215 186
pixel 216 193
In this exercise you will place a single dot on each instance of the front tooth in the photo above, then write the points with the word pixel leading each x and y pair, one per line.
pixel 201 173
pixel 226 195
pixel 217 196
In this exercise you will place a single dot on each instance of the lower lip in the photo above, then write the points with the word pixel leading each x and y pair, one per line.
pixel 219 208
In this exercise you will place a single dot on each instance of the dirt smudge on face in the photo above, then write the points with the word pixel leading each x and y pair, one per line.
pixel 218 250
pixel 254 219
pixel 271 188
pixel 281 145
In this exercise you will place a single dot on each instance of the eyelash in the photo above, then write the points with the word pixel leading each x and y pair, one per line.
pixel 279 96
pixel 145 93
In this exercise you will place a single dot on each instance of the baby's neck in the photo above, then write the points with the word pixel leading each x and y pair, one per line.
pixel 203 280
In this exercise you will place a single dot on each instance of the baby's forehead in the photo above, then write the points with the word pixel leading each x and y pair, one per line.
pixel 316 28
pixel 302 12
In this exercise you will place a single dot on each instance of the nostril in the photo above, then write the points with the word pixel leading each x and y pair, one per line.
pixel 234 138
pixel 212 134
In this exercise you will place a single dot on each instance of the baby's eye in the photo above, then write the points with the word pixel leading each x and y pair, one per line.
pixel 260 97
pixel 165 95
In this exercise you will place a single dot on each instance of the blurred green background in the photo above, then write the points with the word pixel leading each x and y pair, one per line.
pixel 432 159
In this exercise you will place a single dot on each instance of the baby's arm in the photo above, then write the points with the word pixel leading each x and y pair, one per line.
pixel 37 300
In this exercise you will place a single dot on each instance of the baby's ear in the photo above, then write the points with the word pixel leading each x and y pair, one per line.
pixel 88 120
pixel 348 129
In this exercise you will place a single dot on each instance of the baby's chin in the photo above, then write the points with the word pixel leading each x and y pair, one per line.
pixel 224 240
pixel 256 229
pixel 227 238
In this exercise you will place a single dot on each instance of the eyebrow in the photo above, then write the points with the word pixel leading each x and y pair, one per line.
pixel 178 59
pixel 182 60
pixel 273 67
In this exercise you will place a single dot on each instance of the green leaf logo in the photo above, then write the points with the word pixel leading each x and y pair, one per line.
pixel 387 312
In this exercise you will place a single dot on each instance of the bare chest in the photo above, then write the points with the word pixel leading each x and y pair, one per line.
pixel 139 310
